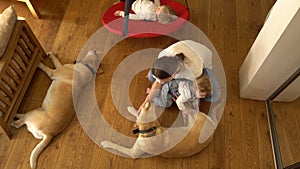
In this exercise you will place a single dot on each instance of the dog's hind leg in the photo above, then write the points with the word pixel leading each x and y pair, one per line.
pixel 55 61
pixel 18 115
pixel 134 152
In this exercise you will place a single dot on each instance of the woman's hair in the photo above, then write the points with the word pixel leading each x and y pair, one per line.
pixel 165 66
pixel 180 56
pixel 167 15
pixel 204 85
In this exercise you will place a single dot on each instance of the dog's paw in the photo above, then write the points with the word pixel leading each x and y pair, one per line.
pixel 106 144
pixel 132 110
pixel 40 65
pixel 15 124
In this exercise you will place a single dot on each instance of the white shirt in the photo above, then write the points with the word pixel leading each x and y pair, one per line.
pixel 144 10
pixel 197 55
pixel 185 95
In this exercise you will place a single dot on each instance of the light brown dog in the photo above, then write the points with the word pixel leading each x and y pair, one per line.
pixel 154 139
pixel 57 108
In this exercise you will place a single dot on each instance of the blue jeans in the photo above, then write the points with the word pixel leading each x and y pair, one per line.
pixel 163 99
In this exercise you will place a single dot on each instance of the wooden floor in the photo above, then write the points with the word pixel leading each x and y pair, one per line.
pixel 287 123
pixel 242 139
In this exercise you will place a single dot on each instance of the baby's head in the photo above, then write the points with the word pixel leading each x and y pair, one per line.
pixel 204 86
pixel 165 14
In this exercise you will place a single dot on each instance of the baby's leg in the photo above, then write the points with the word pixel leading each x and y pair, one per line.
pixel 185 115
pixel 163 101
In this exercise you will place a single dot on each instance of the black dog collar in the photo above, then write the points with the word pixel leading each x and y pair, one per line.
pixel 144 131
pixel 88 66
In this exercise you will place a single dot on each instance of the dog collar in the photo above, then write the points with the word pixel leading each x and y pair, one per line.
pixel 88 66
pixel 143 131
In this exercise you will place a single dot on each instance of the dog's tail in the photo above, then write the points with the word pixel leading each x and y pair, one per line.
pixel 38 149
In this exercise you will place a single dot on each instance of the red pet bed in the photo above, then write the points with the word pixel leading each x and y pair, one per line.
pixel 144 29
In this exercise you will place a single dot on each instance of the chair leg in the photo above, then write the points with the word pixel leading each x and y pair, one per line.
pixel 5 129
pixel 34 11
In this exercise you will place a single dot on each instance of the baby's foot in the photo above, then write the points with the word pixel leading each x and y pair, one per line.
pixel 185 121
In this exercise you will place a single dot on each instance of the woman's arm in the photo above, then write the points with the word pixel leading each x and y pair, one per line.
pixel 154 91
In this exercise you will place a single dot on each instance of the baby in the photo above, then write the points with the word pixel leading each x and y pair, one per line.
pixel 183 91
pixel 150 11
pixel 180 90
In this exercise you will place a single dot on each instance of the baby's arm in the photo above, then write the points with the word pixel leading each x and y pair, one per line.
pixel 152 93
pixel 131 16
pixel 185 95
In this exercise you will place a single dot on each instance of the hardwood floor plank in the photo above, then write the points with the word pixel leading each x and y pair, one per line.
pixel 21 150
pixel 217 155
pixel 281 120
pixel 83 155
pixel 249 137
pixel 69 145
pixel 286 121
pixel 293 135
pixel 5 149
pixel 295 107
pixel 263 136
pixel 241 139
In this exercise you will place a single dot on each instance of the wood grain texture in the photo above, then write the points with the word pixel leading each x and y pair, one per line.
pixel 286 117
pixel 242 137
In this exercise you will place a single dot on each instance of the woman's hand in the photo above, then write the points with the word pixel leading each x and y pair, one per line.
pixel 141 107
pixel 152 93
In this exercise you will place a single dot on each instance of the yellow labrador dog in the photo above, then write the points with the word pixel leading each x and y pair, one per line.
pixel 153 139
pixel 57 108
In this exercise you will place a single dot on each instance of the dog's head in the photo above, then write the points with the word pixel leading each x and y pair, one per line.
pixel 147 122
pixel 147 113
pixel 91 61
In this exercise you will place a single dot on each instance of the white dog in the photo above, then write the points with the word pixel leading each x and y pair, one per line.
pixel 57 108
pixel 154 139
